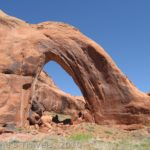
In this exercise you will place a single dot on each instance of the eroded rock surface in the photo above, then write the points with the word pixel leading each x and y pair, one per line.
pixel 24 49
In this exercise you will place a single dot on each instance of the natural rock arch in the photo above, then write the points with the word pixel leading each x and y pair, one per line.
pixel 110 96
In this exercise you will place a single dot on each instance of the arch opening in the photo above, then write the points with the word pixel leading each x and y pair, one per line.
pixel 61 78
pixel 56 99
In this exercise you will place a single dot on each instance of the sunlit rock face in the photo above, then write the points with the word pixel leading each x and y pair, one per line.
pixel 24 49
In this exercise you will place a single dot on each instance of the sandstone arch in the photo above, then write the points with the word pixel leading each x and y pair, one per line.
pixel 26 48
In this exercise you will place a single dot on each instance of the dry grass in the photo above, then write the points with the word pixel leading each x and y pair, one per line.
pixel 84 136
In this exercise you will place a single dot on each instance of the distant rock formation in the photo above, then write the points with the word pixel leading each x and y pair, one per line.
pixel 25 48
pixel 54 100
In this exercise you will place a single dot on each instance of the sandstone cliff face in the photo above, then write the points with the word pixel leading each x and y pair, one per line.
pixel 25 48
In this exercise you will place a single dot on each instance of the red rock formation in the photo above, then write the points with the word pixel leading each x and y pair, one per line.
pixel 24 50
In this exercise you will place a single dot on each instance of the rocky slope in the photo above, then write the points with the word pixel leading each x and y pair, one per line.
pixel 24 49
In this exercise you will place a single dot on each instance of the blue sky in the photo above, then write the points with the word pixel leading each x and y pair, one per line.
pixel 122 27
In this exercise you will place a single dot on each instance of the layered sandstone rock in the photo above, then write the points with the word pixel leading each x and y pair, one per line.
pixel 25 48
